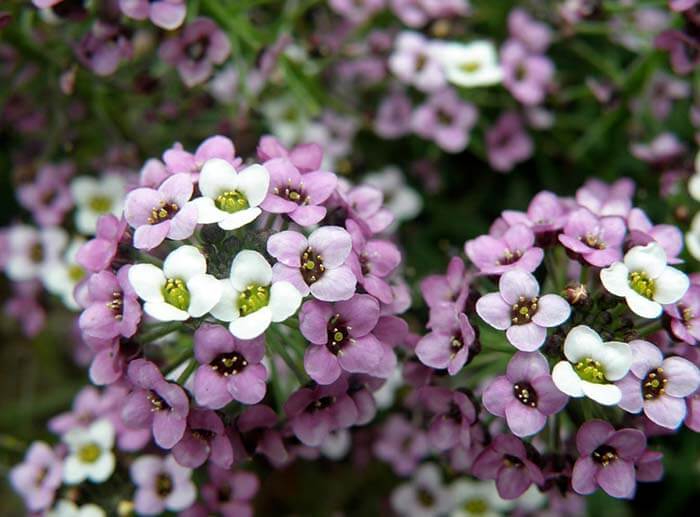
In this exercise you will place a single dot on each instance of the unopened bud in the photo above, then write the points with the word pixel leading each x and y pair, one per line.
pixel 576 294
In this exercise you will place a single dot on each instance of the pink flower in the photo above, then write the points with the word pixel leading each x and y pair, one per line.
pixel 513 250
pixel 166 14
pixel 204 439
pixel 446 120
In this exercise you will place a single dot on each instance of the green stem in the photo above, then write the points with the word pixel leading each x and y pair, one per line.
pixel 182 378
pixel 650 328
pixel 275 342
pixel 159 330
pixel 184 356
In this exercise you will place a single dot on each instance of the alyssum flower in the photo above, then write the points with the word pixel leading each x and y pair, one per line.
pixel 90 454
pixel 592 366
pixel 181 290
pixel 645 280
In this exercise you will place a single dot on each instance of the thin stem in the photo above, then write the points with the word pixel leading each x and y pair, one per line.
pixel 184 356
pixel 159 330
pixel 650 328
pixel 182 378
pixel 274 340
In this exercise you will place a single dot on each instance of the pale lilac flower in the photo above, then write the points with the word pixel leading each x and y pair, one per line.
pixel 515 249
pixel 373 261
pixel 424 496
pixel 645 280
pixel 453 415
pixel 663 91
pixel 508 460
pixel 165 212
pixel 30 251
pixel 98 253
pixel 317 265
pixel 196 50
pixel 662 152
pixel 685 316
pixel 393 117
pixel 166 14
pixel 300 196
pixel 448 288
pixel 113 308
pixel 204 438
pixel 38 477
pixel 177 160
pixel 683 49
pixel 445 119
pixel 230 492
pixel 401 445
pixel 448 348
pixel 356 12
pixel 364 204
pixel 305 157
pixel 598 240
pixel 471 497
pixel 526 395
pixel 157 403
pixel 642 232
pixel 229 368
pixel 400 199
pixel 658 386
pixel 535 35
pixel 546 215
pixel 314 412
pixel 48 197
pixel 341 337
pixel 607 459
pixel 25 308
pixel 414 62
pixel 519 309
pixel 527 76
pixel 607 199
pixel 103 48
pixel 161 484
pixel 507 142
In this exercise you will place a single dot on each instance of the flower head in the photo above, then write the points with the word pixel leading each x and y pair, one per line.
pixel 166 14
pixel 592 366
pixel 645 280
pixel 90 455
pixel 598 240
pixel 95 197
pixel 515 249
pixel 161 484
pixel 38 477
pixel 469 64
pixel 445 119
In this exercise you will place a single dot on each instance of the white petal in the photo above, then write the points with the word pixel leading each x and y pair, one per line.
pixel 642 306
pixel 86 221
pixel 165 312
pixel 225 309
pixel 616 279
pixel 605 394
pixel 181 498
pixel 205 293
pixel 251 326
pixel 692 241
pixel 616 359
pixel 84 188
pixel 250 268
pixel 184 263
pixel 102 433
pixel 581 342
pixel 254 182
pixel 148 282
pixel 239 219
pixel 284 300
pixel 217 176
pixel 73 470
pixel 650 258
pixel 694 182
pixel 566 379
pixel 671 285
pixel 102 468
pixel 207 212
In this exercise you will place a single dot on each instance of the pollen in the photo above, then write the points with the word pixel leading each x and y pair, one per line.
pixel 231 201
pixel 523 310
pixel 590 370
pixel 252 299
pixel 175 293
pixel 641 283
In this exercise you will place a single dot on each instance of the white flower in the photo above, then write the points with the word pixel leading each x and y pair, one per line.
pixel 90 455
pixel 286 118
pixel 230 198
pixel 336 445
pixel 181 290
pixel 423 496
pixel 66 508
pixel 413 61
pixel 401 200
pixel 694 183
pixel 471 64
pixel 250 300
pixel 692 238
pixel 30 250
pixel 62 276
pixel 645 280
pixel 591 367
pixel 95 197
pixel 478 499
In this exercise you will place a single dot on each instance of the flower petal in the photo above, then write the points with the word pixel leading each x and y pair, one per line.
pixel 671 285
pixel 552 310
pixel 184 263
pixel 285 299
pixel 566 379
pixel 250 268
pixel 148 281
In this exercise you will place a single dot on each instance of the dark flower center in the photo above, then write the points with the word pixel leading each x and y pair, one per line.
pixel 593 240
pixel 157 402
pixel 425 497
pixel 456 344
pixel 319 404
pixel 164 485
pixel 338 335
pixel 116 305
pixel 196 50
pixel 365 265
pixel 36 253
pixel 421 61
pixel 476 506
pixel 687 314
pixel 204 435
pixel 524 392
pixel 163 212
pixel 512 461
pixel 230 363
pixel 509 257
pixel 604 455
pixel 312 267
pixel 223 494
pixel 523 310
pixel 444 118
pixel 294 194
pixel 654 384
